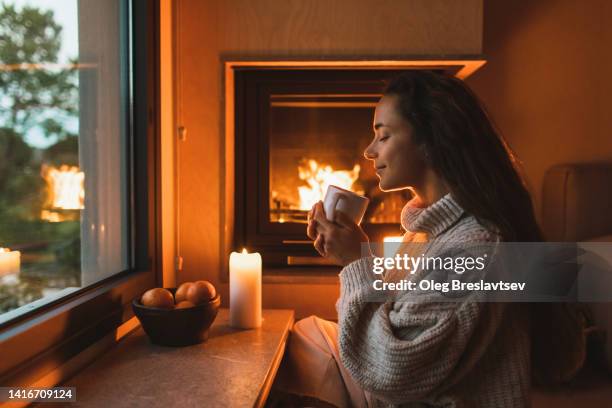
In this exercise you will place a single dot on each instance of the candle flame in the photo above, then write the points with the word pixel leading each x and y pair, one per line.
pixel 244 251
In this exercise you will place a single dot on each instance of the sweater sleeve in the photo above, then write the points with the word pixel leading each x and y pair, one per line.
pixel 412 349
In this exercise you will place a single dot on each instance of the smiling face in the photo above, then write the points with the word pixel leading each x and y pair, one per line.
pixel 398 160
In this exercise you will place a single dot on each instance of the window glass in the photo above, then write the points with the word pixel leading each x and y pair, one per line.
pixel 63 155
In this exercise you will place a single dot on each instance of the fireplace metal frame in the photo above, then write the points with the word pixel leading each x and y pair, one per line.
pixel 245 220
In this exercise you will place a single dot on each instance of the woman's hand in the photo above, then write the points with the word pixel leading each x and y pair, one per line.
pixel 312 231
pixel 340 240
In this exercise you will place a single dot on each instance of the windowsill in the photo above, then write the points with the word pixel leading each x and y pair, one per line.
pixel 65 325
pixel 232 368
pixel 12 314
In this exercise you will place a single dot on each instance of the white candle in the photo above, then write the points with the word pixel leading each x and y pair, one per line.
pixel 245 289
pixel 9 261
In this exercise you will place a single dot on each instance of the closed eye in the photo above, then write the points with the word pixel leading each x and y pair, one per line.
pixel 383 138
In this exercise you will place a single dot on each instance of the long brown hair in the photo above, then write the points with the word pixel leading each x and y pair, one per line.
pixel 461 144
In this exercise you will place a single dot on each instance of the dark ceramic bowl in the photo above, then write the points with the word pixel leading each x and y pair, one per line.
pixel 177 327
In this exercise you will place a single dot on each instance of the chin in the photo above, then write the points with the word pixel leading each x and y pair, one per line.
pixel 386 187
pixel 390 185
pixel 383 188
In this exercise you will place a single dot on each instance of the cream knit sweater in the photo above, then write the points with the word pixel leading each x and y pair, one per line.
pixel 416 353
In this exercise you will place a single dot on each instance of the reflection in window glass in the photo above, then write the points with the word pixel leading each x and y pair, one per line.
pixel 63 214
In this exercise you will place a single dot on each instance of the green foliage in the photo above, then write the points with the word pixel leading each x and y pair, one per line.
pixel 31 95
pixel 31 36
pixel 20 181
pixel 63 152
pixel 35 94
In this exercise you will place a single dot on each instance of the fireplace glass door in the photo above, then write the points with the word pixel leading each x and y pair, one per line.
pixel 317 141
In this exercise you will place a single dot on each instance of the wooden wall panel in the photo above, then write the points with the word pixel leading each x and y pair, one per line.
pixel 350 27
pixel 547 81
pixel 198 110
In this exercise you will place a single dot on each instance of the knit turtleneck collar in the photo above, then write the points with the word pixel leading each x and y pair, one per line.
pixel 433 219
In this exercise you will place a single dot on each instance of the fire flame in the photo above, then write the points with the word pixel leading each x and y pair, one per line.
pixel 65 190
pixel 319 177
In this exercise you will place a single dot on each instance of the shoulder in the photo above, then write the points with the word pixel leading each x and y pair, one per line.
pixel 469 229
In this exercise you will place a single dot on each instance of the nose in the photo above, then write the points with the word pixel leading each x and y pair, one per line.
pixel 370 153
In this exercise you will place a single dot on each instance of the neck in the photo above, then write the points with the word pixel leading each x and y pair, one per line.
pixel 432 189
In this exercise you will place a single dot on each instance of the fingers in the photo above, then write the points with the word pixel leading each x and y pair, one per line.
pixel 320 245
pixel 318 207
pixel 311 213
pixel 311 230
pixel 320 218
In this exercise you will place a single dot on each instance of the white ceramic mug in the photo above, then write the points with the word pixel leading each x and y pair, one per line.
pixel 351 204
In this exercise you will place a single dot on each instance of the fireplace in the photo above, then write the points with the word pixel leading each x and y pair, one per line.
pixel 295 131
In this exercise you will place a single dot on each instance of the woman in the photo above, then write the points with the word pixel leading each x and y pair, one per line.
pixel 431 136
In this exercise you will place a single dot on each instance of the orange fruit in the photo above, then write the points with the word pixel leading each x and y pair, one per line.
pixel 201 292
pixel 181 293
pixel 158 297
pixel 185 304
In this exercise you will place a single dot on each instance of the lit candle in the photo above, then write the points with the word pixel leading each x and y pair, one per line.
pixel 9 261
pixel 245 289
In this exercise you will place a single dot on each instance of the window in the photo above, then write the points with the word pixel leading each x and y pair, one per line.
pixel 63 141
pixel 77 155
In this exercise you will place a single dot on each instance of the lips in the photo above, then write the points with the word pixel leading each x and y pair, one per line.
pixel 380 169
